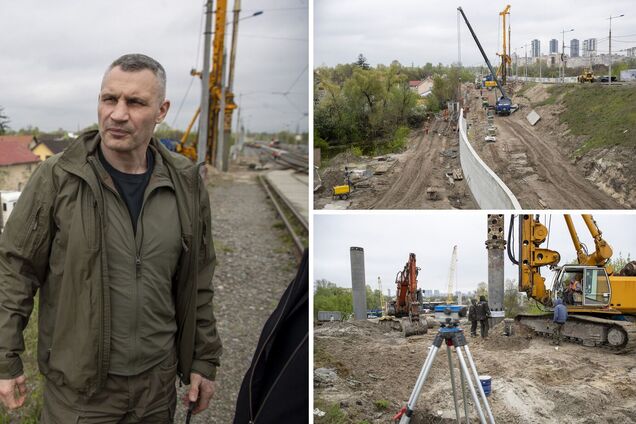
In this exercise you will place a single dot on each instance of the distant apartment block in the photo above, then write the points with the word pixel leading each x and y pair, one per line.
pixel 574 48
pixel 554 46
pixel 536 48
pixel 589 47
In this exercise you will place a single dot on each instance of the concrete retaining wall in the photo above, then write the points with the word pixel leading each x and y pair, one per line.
pixel 566 80
pixel 487 188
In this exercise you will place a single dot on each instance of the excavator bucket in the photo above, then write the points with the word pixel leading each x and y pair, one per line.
pixel 413 327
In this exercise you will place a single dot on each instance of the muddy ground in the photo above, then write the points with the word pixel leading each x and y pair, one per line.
pixel 371 371
pixel 401 181
pixel 538 163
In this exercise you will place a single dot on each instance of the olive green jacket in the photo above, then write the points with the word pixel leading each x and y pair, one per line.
pixel 53 241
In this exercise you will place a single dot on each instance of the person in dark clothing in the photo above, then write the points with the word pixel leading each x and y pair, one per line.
pixel 483 313
pixel 472 317
pixel 275 387
pixel 559 319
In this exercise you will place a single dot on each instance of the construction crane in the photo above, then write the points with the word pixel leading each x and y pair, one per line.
pixel 452 275
pixel 506 60
pixel 603 312
pixel 504 104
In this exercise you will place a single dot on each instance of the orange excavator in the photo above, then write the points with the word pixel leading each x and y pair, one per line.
pixel 404 310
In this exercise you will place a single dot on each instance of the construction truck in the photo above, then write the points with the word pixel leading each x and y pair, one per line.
pixel 601 307
pixel 586 76
pixel 503 105
pixel 403 312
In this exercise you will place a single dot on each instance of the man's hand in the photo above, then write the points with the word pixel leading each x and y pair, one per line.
pixel 201 392
pixel 8 393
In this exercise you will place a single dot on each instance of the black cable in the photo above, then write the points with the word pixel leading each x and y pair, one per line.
pixel 511 255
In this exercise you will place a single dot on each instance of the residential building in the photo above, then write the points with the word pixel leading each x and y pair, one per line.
pixel 536 48
pixel 47 147
pixel 554 46
pixel 631 52
pixel 574 48
pixel 17 163
pixel 589 47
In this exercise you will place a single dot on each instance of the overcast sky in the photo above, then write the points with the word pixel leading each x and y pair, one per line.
pixel 413 31
pixel 388 238
pixel 54 54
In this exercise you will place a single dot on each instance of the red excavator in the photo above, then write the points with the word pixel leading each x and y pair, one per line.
pixel 404 311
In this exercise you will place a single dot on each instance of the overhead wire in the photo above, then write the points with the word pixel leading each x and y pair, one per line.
pixel 196 62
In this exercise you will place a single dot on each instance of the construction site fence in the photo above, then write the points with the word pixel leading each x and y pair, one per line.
pixel 487 188
pixel 565 80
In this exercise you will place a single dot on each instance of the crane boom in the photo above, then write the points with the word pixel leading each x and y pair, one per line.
pixel 492 71
pixel 505 57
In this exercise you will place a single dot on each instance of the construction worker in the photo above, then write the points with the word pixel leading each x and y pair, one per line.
pixel 560 317
pixel 483 313
pixel 472 317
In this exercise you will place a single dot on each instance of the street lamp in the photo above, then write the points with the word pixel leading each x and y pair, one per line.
pixel 610 46
pixel 563 53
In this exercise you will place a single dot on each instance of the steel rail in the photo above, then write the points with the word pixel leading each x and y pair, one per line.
pixel 269 190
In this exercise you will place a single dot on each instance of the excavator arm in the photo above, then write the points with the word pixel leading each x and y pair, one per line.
pixel 603 251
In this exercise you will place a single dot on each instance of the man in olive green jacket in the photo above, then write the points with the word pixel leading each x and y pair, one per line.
pixel 115 234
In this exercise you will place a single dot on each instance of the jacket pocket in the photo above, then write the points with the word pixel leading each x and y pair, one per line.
pixel 89 218
pixel 31 236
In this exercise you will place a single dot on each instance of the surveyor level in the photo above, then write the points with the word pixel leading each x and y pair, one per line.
pixel 452 334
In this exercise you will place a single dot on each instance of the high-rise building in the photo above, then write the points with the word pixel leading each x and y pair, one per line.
pixel 554 46
pixel 574 48
pixel 536 48
pixel 631 52
pixel 589 47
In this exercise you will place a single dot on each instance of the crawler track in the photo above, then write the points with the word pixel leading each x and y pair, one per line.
pixel 588 331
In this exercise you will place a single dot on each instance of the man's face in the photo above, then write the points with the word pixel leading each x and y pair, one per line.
pixel 129 107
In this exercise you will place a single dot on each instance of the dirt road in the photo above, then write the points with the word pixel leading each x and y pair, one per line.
pixel 434 154
pixel 422 166
pixel 534 164
pixel 368 373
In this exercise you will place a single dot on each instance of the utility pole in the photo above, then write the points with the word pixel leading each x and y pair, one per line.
pixel 610 46
pixel 562 67
pixel 204 117
pixel 227 131
pixel 221 122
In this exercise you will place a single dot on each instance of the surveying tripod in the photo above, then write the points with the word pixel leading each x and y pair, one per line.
pixel 452 334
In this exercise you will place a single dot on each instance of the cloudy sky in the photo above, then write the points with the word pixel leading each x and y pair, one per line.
pixel 420 31
pixel 54 55
pixel 388 238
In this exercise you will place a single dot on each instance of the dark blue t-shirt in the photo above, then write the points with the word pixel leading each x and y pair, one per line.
pixel 131 187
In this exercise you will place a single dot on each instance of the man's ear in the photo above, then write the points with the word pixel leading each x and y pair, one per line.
pixel 163 111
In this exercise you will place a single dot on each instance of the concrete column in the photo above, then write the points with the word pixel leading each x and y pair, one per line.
pixel 495 244
pixel 358 284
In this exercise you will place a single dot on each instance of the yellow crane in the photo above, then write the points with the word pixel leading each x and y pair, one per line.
pixel 506 60
pixel 215 85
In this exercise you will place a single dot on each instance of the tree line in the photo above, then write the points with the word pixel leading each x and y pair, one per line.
pixel 372 109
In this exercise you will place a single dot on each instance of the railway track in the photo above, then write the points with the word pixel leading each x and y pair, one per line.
pixel 295 223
